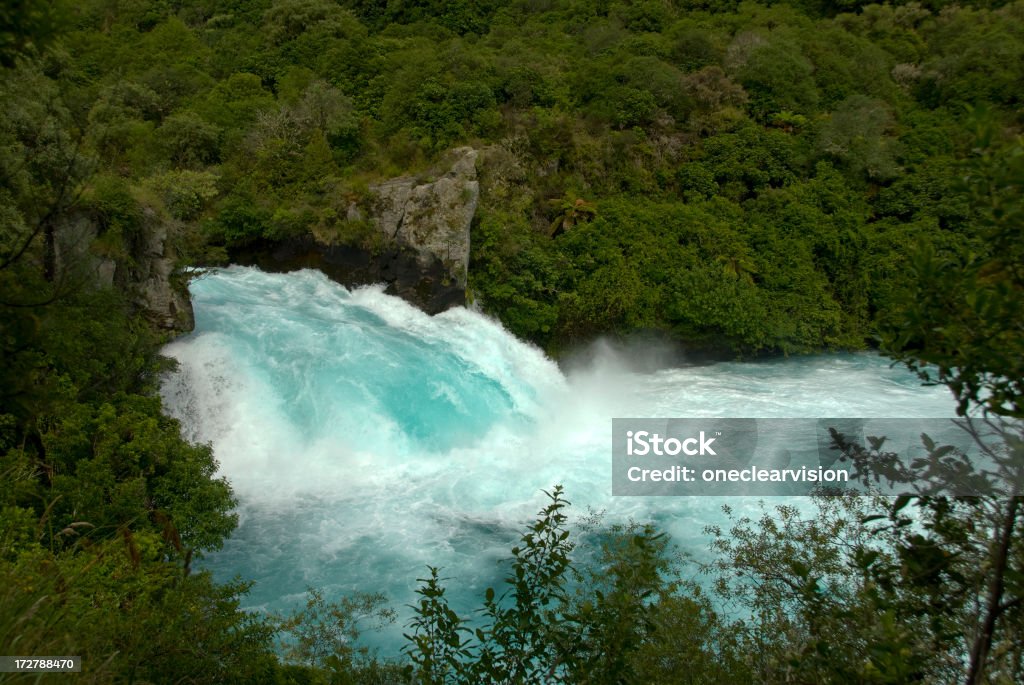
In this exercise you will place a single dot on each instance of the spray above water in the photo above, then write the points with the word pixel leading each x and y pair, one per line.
pixel 365 439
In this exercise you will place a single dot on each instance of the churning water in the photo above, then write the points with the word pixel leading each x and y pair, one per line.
pixel 365 439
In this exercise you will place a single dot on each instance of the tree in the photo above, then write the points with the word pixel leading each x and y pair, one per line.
pixel 960 325
pixel 611 610
pixel 959 322
pixel 326 634
pixel 855 136
pixel 815 608
pixel 27 27
pixel 189 140
pixel 570 213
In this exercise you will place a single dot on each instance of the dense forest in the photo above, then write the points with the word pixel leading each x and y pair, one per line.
pixel 742 177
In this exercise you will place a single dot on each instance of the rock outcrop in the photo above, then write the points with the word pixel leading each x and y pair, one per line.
pixel 152 283
pixel 424 228
pixel 422 254
pixel 146 275
pixel 434 218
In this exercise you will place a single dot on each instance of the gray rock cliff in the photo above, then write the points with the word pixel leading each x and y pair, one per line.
pixel 423 225
pixel 152 283
pixel 146 275
pixel 433 218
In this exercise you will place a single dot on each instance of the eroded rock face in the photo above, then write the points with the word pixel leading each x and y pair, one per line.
pixel 424 252
pixel 432 218
pixel 147 276
pixel 72 250
pixel 152 284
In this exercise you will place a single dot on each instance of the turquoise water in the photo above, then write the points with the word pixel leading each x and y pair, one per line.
pixel 365 439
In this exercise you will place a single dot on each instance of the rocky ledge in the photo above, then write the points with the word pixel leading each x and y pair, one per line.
pixel 422 251
pixel 419 247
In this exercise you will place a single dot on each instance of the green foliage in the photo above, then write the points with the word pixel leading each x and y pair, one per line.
pixel 976 57
pixel 436 646
pixel 188 139
pixel 513 273
pixel 129 616
pixel 291 20
pixel 26 27
pixel 239 221
pixel 824 605
pixel 619 601
pixel 525 629
pixel 106 505
pixel 523 632
pixel 285 101
pixel 748 160
pixel 855 136
pixel 776 76
pixel 442 111
pixel 234 102
pixel 609 612
pixel 458 16
pixel 684 268
pixel 957 321
pixel 185 193
pixel 569 213
pixel 325 634
pixel 118 216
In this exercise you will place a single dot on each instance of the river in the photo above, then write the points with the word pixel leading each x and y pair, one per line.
pixel 365 439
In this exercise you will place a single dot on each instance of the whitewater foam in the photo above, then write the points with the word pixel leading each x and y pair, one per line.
pixel 365 439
